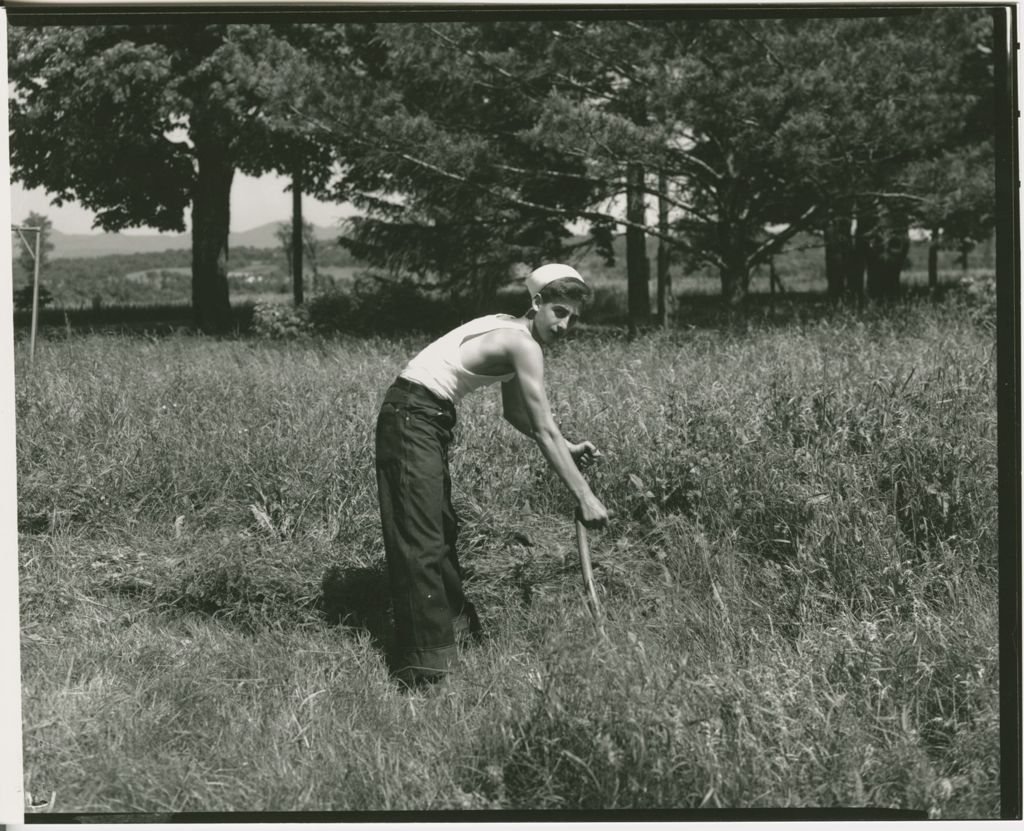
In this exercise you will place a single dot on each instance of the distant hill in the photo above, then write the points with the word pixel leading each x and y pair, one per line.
pixel 100 245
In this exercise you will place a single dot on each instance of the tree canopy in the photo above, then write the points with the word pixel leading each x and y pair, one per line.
pixel 471 146
pixel 23 257
pixel 141 122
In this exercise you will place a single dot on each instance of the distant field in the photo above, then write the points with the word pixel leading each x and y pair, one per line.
pixel 122 280
pixel 163 277
pixel 149 274
pixel 341 276
pixel 800 269
pixel 800 582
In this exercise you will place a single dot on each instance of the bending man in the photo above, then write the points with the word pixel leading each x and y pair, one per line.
pixel 414 432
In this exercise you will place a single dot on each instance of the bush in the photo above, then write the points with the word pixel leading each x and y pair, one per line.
pixel 378 304
pixel 977 291
pixel 979 288
pixel 23 298
pixel 374 304
pixel 280 321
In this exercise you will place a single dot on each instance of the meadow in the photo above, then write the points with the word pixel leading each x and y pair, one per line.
pixel 800 583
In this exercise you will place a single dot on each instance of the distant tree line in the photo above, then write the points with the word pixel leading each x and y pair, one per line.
pixel 470 146
pixel 83 281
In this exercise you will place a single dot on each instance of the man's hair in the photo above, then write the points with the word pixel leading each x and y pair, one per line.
pixel 566 288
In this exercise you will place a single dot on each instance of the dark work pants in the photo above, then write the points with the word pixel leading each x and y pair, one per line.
pixel 414 432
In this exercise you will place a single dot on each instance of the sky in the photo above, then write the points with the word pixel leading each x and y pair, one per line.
pixel 254 202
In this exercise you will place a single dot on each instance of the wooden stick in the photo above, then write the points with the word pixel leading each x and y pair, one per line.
pixel 583 546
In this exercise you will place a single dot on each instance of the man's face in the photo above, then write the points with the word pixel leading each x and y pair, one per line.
pixel 554 319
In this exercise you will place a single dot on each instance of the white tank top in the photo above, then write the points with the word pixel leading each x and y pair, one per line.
pixel 438 367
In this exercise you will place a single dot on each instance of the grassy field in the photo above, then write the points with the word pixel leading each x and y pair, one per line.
pixel 800 584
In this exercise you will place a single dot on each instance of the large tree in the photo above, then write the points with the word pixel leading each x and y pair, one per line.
pixel 465 140
pixel 140 123
pixel 909 141
pixel 957 185
pixel 432 139
pixel 310 245
pixel 471 146
pixel 26 257
pixel 771 127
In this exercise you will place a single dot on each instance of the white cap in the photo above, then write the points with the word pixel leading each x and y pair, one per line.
pixel 540 277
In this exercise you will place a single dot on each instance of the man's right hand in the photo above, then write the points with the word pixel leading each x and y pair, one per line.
pixel 592 513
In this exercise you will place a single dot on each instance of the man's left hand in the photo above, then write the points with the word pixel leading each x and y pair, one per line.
pixel 584 453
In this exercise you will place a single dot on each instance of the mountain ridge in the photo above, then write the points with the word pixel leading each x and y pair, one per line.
pixel 104 244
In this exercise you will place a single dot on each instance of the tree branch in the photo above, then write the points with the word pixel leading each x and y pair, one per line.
pixel 678 204
pixel 774 58
pixel 559 173
pixel 687 158
pixel 626 72
pixel 884 195
pixel 504 196
pixel 775 242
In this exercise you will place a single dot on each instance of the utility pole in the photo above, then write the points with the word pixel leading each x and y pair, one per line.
pixel 297 235
pixel 35 283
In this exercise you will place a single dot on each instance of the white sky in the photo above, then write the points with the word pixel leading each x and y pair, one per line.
pixel 254 202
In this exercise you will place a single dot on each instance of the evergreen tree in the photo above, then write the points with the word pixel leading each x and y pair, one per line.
pixel 142 122
pixel 472 145
pixel 435 154
pixel 23 257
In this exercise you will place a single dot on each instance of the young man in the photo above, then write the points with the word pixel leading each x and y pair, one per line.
pixel 414 432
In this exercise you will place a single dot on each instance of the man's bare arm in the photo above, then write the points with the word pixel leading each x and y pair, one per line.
pixel 531 400
pixel 514 411
pixel 513 408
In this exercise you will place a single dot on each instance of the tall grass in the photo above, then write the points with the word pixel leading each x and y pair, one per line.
pixel 800 583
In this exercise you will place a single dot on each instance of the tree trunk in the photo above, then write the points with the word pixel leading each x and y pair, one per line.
pixel 838 251
pixel 965 249
pixel 314 279
pixel 211 219
pixel 846 247
pixel 637 274
pixel 933 261
pixel 297 236
pixel 664 279
pixel 855 275
pixel 773 277
pixel 735 278
pixel 734 271
pixel 892 259
pixel 887 244
pixel 856 262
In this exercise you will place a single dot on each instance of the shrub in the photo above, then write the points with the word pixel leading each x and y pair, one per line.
pixel 280 321
pixel 23 298
pixel 979 288
pixel 378 304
